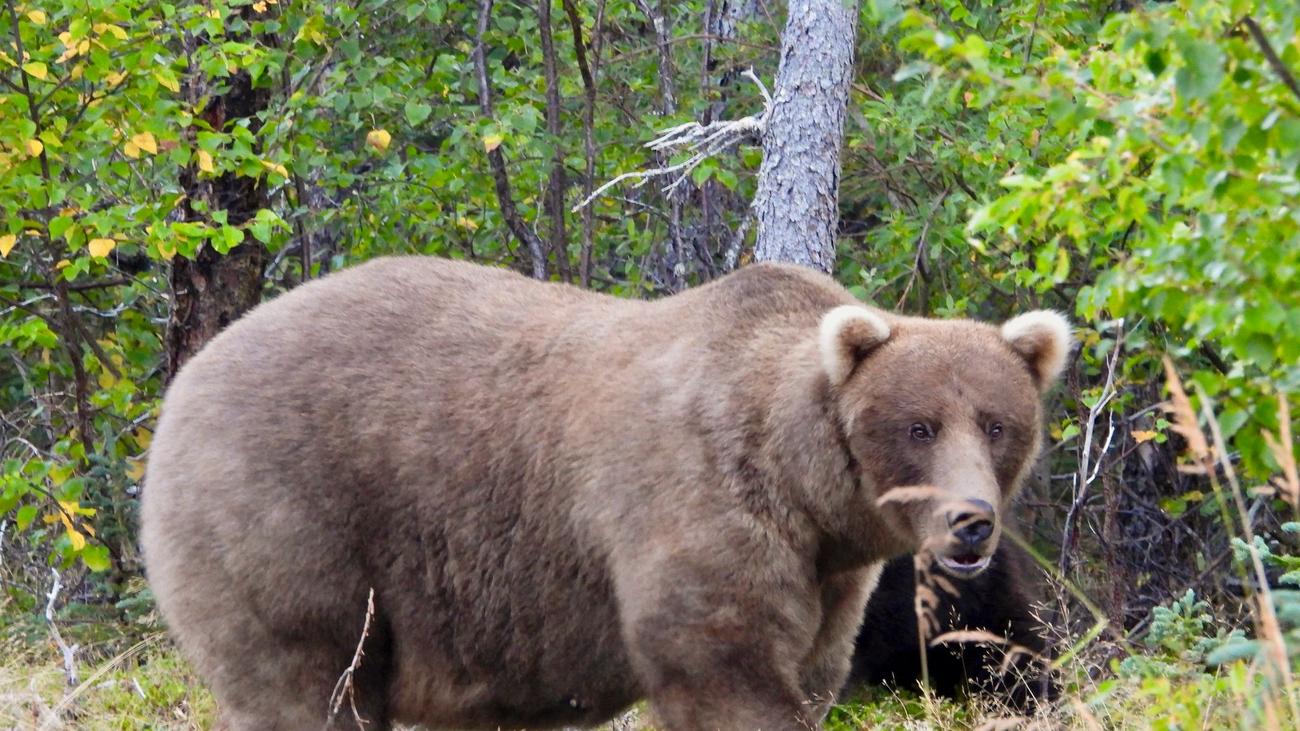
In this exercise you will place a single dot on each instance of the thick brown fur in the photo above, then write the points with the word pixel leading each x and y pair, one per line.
pixel 563 501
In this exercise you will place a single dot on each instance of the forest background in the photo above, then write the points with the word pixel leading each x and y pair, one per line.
pixel 164 167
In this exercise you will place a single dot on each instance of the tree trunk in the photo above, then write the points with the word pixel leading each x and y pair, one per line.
pixel 212 290
pixel 797 202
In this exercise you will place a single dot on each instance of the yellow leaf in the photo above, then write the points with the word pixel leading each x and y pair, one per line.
pixel 491 142
pixel 135 469
pixel 1144 436
pixel 37 69
pixel 78 540
pixel 168 82
pixel 131 150
pixel 275 167
pixel 115 78
pixel 110 29
pixel 62 263
pixel 146 142
pixel 467 223
pixel 259 7
pixel 143 437
pixel 34 147
pixel 62 516
pixel 205 162
pixel 101 247
pixel 7 244
pixel 37 17
pixel 379 139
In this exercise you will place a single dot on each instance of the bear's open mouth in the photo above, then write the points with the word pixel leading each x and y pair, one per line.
pixel 964 564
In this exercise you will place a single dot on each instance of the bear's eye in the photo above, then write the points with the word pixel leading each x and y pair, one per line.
pixel 995 430
pixel 922 432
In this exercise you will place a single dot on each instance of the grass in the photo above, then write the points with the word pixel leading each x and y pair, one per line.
pixel 149 686
pixel 146 686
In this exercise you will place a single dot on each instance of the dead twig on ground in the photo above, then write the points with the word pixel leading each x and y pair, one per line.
pixel 344 687
pixel 69 651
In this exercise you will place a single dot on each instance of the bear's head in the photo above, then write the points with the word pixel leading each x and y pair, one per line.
pixel 941 419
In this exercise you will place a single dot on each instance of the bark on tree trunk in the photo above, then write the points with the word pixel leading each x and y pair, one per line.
pixel 212 290
pixel 797 201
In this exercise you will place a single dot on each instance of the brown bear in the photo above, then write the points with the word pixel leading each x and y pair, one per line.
pixel 565 502
pixel 998 601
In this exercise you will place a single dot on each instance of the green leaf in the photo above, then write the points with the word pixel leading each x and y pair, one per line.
pixel 1202 69
pixel 26 514
pixel 416 112
pixel 96 557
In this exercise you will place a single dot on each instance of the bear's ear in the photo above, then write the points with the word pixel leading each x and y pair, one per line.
pixel 848 334
pixel 1042 338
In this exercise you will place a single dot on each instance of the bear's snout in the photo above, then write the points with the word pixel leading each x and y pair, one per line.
pixel 972 531
pixel 972 524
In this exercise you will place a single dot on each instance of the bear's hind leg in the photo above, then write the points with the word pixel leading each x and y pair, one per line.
pixel 274 680
pixel 294 693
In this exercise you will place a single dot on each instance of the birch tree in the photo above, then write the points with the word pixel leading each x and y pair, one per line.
pixel 797 201
pixel 801 129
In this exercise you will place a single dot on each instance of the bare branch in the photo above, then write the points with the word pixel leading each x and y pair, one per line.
pixel 588 116
pixel 1084 478
pixel 69 652
pixel 496 159
pixel 701 140
pixel 556 183
pixel 78 286
pixel 1271 56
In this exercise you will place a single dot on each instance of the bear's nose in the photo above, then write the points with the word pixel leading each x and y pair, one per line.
pixel 972 524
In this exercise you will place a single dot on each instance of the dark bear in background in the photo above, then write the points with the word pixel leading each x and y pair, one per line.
pixel 997 601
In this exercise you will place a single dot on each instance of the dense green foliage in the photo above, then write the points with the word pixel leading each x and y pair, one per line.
pixel 1134 164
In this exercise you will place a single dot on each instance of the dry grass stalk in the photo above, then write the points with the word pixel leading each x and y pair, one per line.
pixel 66 702
pixel 344 687
pixel 1090 721
pixel 1288 483
pixel 1267 626
pixel 1185 424
pixel 910 494
pixel 1006 724
pixel 924 605
pixel 1061 582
